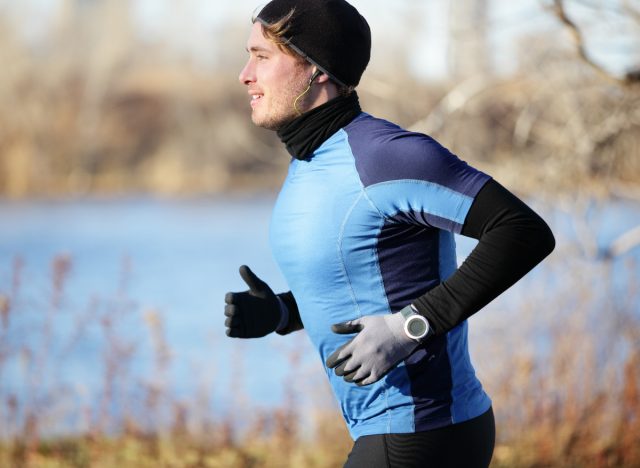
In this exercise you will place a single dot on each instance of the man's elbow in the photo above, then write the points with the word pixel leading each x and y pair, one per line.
pixel 547 240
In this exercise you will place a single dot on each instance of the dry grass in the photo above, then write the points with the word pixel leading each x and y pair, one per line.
pixel 560 359
pixel 562 364
pixel 132 419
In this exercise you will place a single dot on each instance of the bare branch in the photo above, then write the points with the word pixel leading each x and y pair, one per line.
pixel 454 100
pixel 560 12
pixel 623 243
pixel 632 11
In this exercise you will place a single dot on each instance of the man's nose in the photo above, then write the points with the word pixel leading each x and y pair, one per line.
pixel 247 74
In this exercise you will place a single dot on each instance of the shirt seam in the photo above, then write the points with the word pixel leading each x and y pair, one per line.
pixel 341 255
pixel 362 194
pixel 463 198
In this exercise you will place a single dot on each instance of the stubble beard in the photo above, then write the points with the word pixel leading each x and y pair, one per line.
pixel 280 110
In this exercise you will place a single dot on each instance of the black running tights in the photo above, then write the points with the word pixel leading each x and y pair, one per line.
pixel 467 445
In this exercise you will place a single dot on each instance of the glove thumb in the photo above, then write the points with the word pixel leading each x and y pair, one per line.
pixel 255 284
pixel 344 328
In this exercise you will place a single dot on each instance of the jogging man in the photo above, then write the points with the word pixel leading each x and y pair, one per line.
pixel 363 231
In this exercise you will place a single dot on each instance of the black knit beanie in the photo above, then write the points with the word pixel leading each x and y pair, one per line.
pixel 330 34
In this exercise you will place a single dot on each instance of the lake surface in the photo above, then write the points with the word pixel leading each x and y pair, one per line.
pixel 142 304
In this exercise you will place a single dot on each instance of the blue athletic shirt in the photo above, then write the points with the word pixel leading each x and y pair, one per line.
pixel 365 226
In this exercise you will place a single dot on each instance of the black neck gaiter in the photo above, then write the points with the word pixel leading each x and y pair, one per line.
pixel 304 134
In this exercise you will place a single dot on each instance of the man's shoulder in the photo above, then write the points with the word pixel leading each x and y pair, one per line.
pixel 375 127
pixel 380 136
pixel 383 150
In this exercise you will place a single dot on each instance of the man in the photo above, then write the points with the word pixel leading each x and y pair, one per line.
pixel 363 230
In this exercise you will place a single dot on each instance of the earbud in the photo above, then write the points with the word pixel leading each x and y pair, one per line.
pixel 314 76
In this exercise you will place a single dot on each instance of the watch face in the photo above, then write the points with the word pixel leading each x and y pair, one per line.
pixel 416 327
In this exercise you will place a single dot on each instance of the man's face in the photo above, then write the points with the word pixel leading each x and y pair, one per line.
pixel 274 80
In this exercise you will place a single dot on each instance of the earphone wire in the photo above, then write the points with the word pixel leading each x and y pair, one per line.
pixel 295 103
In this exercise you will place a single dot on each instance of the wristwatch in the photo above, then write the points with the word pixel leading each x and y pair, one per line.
pixel 416 326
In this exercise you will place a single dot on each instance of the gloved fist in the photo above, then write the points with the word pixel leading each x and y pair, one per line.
pixel 379 346
pixel 253 313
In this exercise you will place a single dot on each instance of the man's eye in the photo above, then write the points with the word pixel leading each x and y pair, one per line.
pixel 261 57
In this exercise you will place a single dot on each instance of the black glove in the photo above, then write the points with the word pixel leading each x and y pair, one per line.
pixel 253 313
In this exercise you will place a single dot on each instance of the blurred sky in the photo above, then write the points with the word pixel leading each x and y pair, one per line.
pixel 419 26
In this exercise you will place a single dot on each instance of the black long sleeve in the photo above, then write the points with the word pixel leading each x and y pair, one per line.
pixel 512 240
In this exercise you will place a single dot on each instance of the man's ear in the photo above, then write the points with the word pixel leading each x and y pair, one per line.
pixel 322 78
pixel 318 76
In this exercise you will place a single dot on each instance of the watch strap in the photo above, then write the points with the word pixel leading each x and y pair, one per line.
pixel 408 311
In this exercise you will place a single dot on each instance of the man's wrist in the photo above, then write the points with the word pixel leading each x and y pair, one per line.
pixel 416 326
pixel 284 315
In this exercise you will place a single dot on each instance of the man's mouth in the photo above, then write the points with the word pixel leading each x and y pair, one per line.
pixel 255 98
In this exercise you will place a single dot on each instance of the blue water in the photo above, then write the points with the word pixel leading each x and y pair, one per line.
pixel 139 258
pixel 174 258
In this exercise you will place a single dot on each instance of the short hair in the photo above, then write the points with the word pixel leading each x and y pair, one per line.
pixel 276 32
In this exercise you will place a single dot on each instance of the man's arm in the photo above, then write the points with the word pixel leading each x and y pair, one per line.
pixel 512 240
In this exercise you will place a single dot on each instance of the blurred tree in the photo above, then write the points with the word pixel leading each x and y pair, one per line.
pixel 469 45
pixel 559 9
pixel 94 106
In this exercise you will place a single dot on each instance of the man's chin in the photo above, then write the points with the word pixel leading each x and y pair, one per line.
pixel 269 123
pixel 261 124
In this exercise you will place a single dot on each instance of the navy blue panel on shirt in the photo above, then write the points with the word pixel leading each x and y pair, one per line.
pixel 384 152
pixel 405 257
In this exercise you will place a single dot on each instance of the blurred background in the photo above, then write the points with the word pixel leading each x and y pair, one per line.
pixel 133 185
